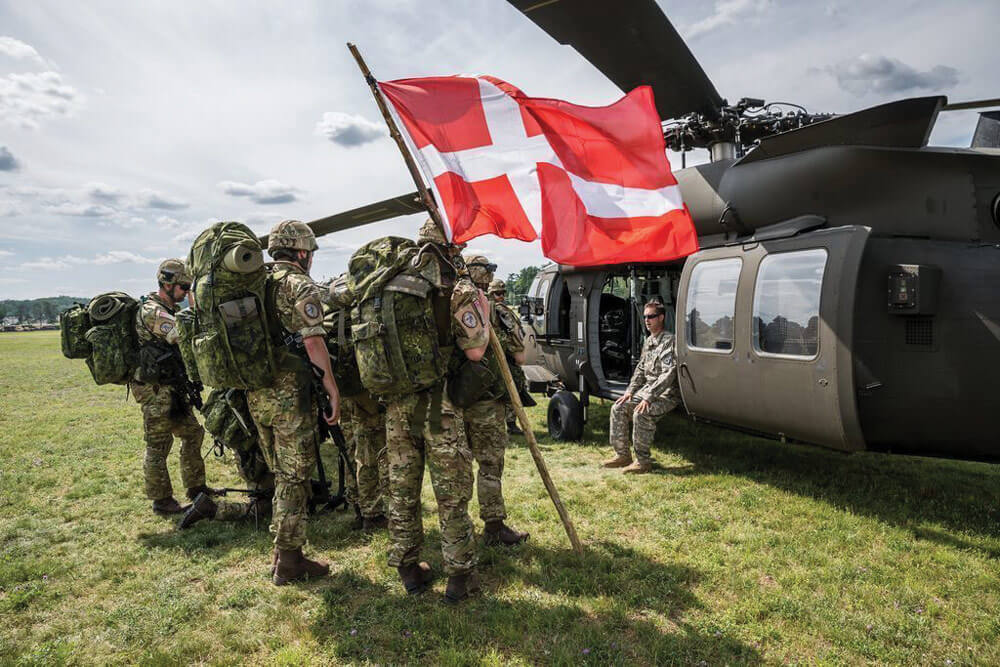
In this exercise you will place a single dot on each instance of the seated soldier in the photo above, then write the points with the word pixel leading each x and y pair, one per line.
pixel 650 395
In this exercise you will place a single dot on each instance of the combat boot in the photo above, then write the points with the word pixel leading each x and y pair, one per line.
pixel 167 505
pixel 374 523
pixel 293 566
pixel 416 577
pixel 359 521
pixel 618 461
pixel 460 587
pixel 202 508
pixel 514 429
pixel 193 492
pixel 638 468
pixel 497 533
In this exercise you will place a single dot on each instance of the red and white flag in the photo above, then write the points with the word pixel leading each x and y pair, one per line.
pixel 595 181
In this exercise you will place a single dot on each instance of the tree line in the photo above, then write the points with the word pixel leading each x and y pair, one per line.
pixel 37 310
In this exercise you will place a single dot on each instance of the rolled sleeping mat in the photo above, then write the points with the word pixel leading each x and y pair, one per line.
pixel 243 259
pixel 104 307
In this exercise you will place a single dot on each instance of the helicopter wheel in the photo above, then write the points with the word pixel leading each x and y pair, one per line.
pixel 565 416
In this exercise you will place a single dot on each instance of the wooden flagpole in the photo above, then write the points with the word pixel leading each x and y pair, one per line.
pixel 515 399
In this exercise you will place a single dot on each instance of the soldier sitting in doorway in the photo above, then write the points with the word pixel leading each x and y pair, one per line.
pixel 651 394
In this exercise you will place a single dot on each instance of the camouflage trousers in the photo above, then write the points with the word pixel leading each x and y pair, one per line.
pixel 159 429
pixel 287 426
pixel 445 451
pixel 257 478
pixel 486 430
pixel 643 426
pixel 364 430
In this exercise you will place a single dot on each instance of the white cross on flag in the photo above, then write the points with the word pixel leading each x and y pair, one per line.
pixel 595 181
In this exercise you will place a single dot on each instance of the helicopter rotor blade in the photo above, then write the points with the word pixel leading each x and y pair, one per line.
pixel 364 215
pixel 632 43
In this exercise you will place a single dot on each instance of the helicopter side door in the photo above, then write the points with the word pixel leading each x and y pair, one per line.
pixel 765 332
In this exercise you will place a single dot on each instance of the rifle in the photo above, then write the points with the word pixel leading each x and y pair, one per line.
pixel 321 499
pixel 255 495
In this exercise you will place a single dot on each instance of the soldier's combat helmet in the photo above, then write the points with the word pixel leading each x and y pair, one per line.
pixel 431 233
pixel 480 269
pixel 291 234
pixel 173 271
pixel 497 287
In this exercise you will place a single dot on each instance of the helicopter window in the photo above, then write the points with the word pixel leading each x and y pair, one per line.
pixel 786 303
pixel 712 304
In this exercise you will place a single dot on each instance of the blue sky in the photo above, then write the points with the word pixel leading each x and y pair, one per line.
pixel 126 128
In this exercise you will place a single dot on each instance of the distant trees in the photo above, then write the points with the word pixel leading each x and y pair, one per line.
pixel 37 310
pixel 518 283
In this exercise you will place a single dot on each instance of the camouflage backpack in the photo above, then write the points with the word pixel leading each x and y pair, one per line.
pixel 109 343
pixel 397 318
pixel 228 421
pixel 227 337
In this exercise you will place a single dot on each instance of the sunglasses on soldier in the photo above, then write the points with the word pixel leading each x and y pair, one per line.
pixel 489 267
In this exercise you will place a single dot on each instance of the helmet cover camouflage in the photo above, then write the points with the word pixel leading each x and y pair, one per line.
pixel 431 233
pixel 173 271
pixel 292 234
pixel 480 269
pixel 497 286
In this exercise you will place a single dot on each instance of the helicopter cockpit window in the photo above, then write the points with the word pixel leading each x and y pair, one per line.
pixel 712 304
pixel 786 303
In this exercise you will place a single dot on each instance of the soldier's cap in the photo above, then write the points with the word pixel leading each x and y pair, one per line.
pixel 291 234
pixel 497 286
pixel 481 262
pixel 173 272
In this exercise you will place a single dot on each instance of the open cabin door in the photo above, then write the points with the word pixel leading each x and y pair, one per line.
pixel 765 332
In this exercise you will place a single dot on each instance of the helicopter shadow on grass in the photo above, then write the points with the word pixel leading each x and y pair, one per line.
pixel 961 498
pixel 613 605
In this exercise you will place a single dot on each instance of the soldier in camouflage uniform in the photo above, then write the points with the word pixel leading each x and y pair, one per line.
pixel 651 394
pixel 284 412
pixel 485 424
pixel 497 293
pixel 362 418
pixel 426 428
pixel 165 411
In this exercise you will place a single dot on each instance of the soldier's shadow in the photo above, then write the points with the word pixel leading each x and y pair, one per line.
pixel 612 605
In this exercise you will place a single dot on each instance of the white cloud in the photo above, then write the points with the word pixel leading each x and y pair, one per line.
pixel 9 208
pixel 153 199
pixel 267 191
pixel 18 50
pixel 867 73
pixel 727 12
pixel 13 281
pixel 349 130
pixel 68 261
pixel 6 253
pixel 103 192
pixel 82 210
pixel 27 99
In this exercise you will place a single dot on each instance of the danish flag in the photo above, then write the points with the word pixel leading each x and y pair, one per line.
pixel 595 181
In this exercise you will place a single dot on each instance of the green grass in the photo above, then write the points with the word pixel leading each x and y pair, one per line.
pixel 737 550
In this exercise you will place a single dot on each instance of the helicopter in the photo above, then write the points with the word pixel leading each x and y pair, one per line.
pixel 847 288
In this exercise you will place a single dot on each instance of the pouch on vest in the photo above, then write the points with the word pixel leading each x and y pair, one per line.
pixel 472 382
pixel 114 347
pixel 159 363
pixel 230 337
pixel 73 326
pixel 228 419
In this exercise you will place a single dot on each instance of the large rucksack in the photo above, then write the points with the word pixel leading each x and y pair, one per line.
pixel 228 421
pixel 398 315
pixel 228 338
pixel 344 363
pixel 103 333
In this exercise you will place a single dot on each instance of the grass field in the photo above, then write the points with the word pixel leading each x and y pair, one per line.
pixel 736 551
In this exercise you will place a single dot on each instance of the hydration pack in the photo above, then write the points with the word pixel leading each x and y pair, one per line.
pixel 227 340
pixel 109 343
pixel 400 318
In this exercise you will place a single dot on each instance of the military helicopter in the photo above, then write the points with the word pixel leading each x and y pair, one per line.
pixel 846 291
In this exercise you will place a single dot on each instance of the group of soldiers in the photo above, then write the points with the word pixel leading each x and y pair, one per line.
pixel 390 441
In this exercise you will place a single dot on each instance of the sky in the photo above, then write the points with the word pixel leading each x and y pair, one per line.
pixel 126 128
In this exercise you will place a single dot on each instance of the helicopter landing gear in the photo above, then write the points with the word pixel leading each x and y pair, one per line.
pixel 565 416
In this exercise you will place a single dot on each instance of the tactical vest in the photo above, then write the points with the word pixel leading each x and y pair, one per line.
pixel 228 335
pixel 103 333
pixel 159 362
pixel 401 324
